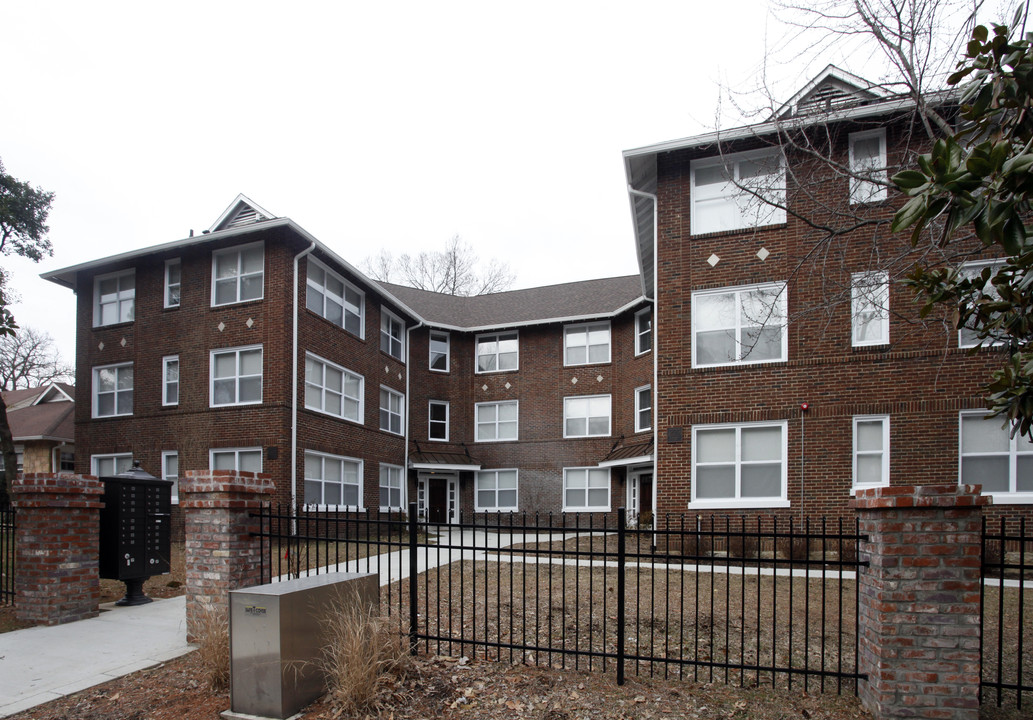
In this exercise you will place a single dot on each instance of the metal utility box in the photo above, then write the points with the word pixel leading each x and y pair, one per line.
pixel 276 637
pixel 135 530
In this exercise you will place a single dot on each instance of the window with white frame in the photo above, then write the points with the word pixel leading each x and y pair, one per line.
pixel 739 326
pixel 173 281
pixel 990 457
pixel 870 308
pixel 392 488
pixel 170 471
pixel 332 297
pixel 170 380
pixel 392 334
pixel 238 274
pixel 643 408
pixel 741 465
pixel 110 465
pixel 439 351
pixel 736 191
pixel 332 389
pixel 981 273
pixel 437 420
pixel 113 390
pixel 496 491
pixel 586 344
pixel 586 416
pixel 236 376
pixel 332 480
pixel 586 489
pixel 643 331
pixel 391 408
pixel 871 451
pixel 236 459
pixel 497 352
pixel 497 420
pixel 114 298
pixel 868 173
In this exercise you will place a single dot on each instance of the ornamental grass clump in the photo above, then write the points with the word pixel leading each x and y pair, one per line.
pixel 213 645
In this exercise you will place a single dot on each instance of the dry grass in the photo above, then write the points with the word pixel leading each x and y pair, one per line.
pixel 213 646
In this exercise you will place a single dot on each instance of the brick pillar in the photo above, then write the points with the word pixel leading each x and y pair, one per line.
pixel 919 601
pixel 221 555
pixel 57 577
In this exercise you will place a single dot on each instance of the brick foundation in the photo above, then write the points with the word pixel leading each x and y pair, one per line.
pixel 919 601
pixel 221 555
pixel 58 578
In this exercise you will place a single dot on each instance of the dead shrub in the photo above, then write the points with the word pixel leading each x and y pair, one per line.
pixel 797 548
pixel 743 546
pixel 213 645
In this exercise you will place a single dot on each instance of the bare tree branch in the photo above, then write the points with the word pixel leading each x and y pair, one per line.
pixel 29 359
pixel 452 271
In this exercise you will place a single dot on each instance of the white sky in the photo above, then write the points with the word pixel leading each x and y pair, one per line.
pixel 373 124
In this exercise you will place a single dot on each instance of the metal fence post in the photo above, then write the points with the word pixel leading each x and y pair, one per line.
pixel 413 571
pixel 622 524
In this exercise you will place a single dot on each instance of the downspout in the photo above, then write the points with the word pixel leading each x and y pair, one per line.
pixel 294 382
pixel 656 346
pixel 408 401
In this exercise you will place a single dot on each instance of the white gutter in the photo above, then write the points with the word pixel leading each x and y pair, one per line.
pixel 294 381
pixel 408 405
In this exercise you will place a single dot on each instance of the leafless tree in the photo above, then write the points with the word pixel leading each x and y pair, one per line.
pixel 455 270
pixel 29 359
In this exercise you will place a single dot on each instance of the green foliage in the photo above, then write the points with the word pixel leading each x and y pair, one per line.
pixel 980 180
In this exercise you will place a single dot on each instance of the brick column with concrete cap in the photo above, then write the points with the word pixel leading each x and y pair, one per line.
pixel 919 607
pixel 221 554
pixel 57 539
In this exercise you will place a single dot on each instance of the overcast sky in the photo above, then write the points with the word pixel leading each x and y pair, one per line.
pixel 372 125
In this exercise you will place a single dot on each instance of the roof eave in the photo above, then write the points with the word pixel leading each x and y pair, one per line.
pixel 540 321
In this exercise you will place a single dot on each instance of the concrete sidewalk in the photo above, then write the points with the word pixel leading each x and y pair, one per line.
pixel 40 664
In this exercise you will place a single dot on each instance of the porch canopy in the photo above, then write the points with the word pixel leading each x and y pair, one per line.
pixel 443 461
pixel 631 451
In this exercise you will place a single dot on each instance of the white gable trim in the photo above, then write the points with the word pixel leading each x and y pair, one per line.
pixel 232 210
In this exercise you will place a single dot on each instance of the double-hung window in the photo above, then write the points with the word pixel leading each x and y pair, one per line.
pixel 586 344
pixel 643 331
pixel 332 297
pixel 114 298
pixel 990 457
pixel 586 489
pixel 392 335
pixel 739 326
pixel 173 281
pixel 871 451
pixel 113 390
pixel 108 465
pixel 332 480
pixel 170 471
pixel 496 491
pixel 500 351
pixel 736 191
pixel 868 174
pixel 332 389
pixel 643 408
pixel 238 274
pixel 170 380
pixel 739 465
pixel 439 351
pixel 586 416
pixel 497 420
pixel 391 408
pixel 236 376
pixel 392 488
pixel 437 420
pixel 981 273
pixel 870 308
pixel 236 459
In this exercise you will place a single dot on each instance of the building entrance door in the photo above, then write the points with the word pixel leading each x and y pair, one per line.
pixel 437 500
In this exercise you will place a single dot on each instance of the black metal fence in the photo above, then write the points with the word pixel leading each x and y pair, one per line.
pixel 6 555
pixel 739 601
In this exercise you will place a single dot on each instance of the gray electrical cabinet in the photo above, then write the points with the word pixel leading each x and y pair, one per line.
pixel 276 637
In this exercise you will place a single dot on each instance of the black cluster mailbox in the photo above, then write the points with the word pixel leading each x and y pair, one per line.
pixel 135 530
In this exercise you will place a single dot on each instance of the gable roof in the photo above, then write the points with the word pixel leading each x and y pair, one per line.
pixel 33 418
pixel 242 211
pixel 832 88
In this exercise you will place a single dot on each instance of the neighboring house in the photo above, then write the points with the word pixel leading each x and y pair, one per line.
pixel 43 427
pixel 791 378
pixel 255 347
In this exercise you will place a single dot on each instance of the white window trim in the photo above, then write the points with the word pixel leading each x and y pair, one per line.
pixel 1000 498
pixel 93 390
pixel 970 269
pixel 362 391
pixel 361 474
pixel 609 416
pixel 588 508
pixel 782 302
pixel 638 407
pixel 476 421
pixel 448 419
pixel 476 355
pixel 863 294
pixel 448 351
pixel 238 250
pixel 386 314
pixel 106 456
pixel 165 454
pixel 858 185
pixel 323 290
pixel 648 312
pixel 211 376
pixel 586 327
pixel 96 297
pixel 174 262
pixel 495 508
pixel 236 456
pixel 738 502
pixel 165 361
pixel 402 487
pixel 401 410
pixel 885 420
pixel 777 214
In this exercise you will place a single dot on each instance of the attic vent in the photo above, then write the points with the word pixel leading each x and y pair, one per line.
pixel 825 98
pixel 245 216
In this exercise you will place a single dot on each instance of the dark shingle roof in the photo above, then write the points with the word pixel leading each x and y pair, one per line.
pixel 584 299
pixel 51 420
